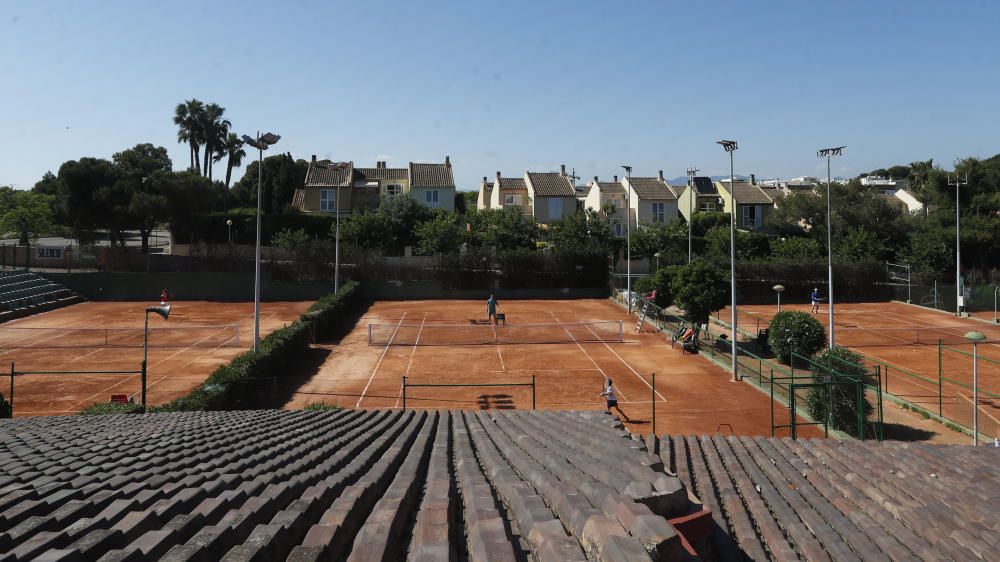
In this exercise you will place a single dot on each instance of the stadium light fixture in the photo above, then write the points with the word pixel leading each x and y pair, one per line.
pixel 829 153
pixel 163 311
pixel 628 237
pixel 261 143
pixel 975 338
pixel 730 147
pixel 779 289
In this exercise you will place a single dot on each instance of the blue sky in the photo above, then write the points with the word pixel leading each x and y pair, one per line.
pixel 510 85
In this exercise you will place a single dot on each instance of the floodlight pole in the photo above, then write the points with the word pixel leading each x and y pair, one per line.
pixel 336 246
pixel 829 153
pixel 730 147
pixel 628 238
pixel 261 143
pixel 691 195
pixel 958 246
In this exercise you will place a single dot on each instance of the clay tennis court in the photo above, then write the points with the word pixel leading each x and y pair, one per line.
pixel 905 339
pixel 692 394
pixel 107 336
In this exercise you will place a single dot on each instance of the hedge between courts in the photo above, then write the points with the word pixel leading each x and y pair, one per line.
pixel 231 385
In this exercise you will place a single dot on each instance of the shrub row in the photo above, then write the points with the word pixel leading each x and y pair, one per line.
pixel 231 386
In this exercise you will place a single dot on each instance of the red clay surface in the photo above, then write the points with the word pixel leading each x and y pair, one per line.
pixel 693 395
pixel 882 331
pixel 173 371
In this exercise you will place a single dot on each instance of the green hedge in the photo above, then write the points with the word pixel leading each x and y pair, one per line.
pixel 111 408
pixel 230 386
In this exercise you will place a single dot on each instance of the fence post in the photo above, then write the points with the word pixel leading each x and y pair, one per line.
pixel 861 411
pixel 771 380
pixel 532 392
pixel 11 397
pixel 143 373
pixel 404 392
pixel 791 409
pixel 27 256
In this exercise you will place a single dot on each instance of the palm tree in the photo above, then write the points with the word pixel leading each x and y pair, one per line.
pixel 188 118
pixel 233 149
pixel 214 129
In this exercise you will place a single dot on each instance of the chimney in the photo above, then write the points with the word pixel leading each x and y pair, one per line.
pixel 484 179
pixel 498 175
pixel 314 159
pixel 616 179
pixel 562 169
pixel 595 179
pixel 447 162
pixel 753 179
pixel 659 175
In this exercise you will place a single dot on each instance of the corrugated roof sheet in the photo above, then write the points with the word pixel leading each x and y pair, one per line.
pixel 551 184
pixel 431 175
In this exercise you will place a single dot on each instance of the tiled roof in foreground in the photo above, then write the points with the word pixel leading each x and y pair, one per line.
pixel 354 484
pixel 822 499
pixel 485 485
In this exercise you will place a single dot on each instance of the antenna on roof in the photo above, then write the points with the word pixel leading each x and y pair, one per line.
pixel 573 177
pixel 691 173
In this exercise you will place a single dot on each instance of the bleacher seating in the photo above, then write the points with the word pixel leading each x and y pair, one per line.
pixel 23 293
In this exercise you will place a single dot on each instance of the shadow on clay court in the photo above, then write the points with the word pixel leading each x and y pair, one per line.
pixel 496 402
pixel 899 432
pixel 287 385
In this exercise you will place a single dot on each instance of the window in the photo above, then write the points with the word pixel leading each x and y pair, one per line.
pixel 555 208
pixel 749 215
pixel 706 206
pixel 511 199
pixel 617 203
pixel 659 213
pixel 393 189
pixel 619 229
pixel 431 198
pixel 328 200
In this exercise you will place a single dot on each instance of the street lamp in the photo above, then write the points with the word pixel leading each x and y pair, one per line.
pixel 261 143
pixel 164 311
pixel 829 153
pixel 958 246
pixel 229 230
pixel 730 147
pixel 779 289
pixel 975 338
pixel 628 238
pixel 657 255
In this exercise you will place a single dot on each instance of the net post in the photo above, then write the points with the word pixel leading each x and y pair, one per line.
pixel 404 384
pixel 11 397
pixel 142 370
pixel 653 397
pixel 532 392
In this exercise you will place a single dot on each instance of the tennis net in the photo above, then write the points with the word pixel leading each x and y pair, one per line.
pixel 487 334
pixel 916 335
pixel 227 335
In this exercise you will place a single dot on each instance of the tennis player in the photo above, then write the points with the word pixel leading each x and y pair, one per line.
pixel 491 309
pixel 815 300
pixel 163 298
pixel 612 398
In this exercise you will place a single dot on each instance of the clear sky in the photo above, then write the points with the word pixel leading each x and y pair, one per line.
pixel 510 86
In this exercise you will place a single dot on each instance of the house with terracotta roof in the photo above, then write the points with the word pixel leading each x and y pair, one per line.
pixel 752 204
pixel 608 199
pixel 483 200
pixel 552 195
pixel 510 193
pixel 653 201
pixel 362 188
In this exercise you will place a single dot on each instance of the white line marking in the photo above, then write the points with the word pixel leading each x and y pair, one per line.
pixel 603 374
pixel 410 362
pixel 626 363
pixel 381 357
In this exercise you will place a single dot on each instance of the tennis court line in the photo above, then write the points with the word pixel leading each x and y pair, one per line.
pixel 944 329
pixel 626 363
pixel 410 362
pixel 381 357
pixel 599 368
